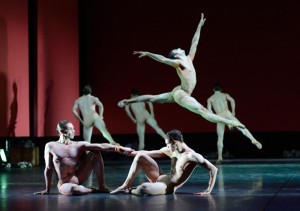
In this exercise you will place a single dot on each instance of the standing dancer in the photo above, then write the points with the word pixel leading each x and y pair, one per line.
pixel 218 102
pixel 139 114
pixel 90 118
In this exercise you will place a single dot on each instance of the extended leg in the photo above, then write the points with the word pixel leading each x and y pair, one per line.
pixel 190 103
pixel 100 125
pixel 161 98
pixel 247 133
pixel 141 161
pixel 152 122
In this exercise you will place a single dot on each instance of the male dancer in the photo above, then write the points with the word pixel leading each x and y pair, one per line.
pixel 181 94
pixel 74 161
pixel 90 118
pixel 218 102
pixel 183 162
pixel 139 114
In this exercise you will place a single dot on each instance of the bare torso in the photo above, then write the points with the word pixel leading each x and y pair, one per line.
pixel 65 160
pixel 182 166
pixel 87 105
pixel 187 74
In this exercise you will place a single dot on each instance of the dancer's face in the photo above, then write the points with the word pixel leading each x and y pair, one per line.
pixel 69 131
pixel 171 144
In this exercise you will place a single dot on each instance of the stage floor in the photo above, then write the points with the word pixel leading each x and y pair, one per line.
pixel 240 185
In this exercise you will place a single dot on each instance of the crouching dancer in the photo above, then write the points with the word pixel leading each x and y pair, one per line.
pixel 74 161
pixel 183 161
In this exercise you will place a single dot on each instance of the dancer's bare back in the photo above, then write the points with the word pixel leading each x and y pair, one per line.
pixel 87 104
pixel 140 112
pixel 219 102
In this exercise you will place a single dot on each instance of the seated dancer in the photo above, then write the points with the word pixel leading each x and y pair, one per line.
pixel 74 161
pixel 139 114
pixel 218 103
pixel 86 104
pixel 183 162
pixel 181 94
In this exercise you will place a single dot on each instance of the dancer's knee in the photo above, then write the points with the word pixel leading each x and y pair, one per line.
pixel 94 156
pixel 140 157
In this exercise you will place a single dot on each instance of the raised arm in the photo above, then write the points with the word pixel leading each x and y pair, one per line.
pixel 212 173
pixel 196 38
pixel 48 171
pixel 171 62
pixel 232 103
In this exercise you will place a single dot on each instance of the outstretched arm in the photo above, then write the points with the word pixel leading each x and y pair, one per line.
pixel 171 62
pixel 212 173
pixel 48 171
pixel 196 38
pixel 107 147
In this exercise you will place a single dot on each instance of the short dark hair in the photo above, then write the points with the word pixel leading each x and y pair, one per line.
pixel 87 89
pixel 62 125
pixel 217 87
pixel 175 135
pixel 171 55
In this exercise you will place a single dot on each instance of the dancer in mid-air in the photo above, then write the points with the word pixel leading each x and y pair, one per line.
pixel 181 94
pixel 218 103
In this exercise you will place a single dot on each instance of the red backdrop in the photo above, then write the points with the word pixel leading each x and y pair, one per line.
pixel 58 71
pixel 250 47
pixel 14 77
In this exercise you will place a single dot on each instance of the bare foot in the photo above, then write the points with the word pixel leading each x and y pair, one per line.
pixel 120 189
pixel 257 144
pixel 115 143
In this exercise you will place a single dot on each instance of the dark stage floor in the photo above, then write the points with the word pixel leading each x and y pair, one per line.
pixel 241 185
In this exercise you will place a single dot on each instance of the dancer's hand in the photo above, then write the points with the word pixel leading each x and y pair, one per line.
pixel 202 20
pixel 141 53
